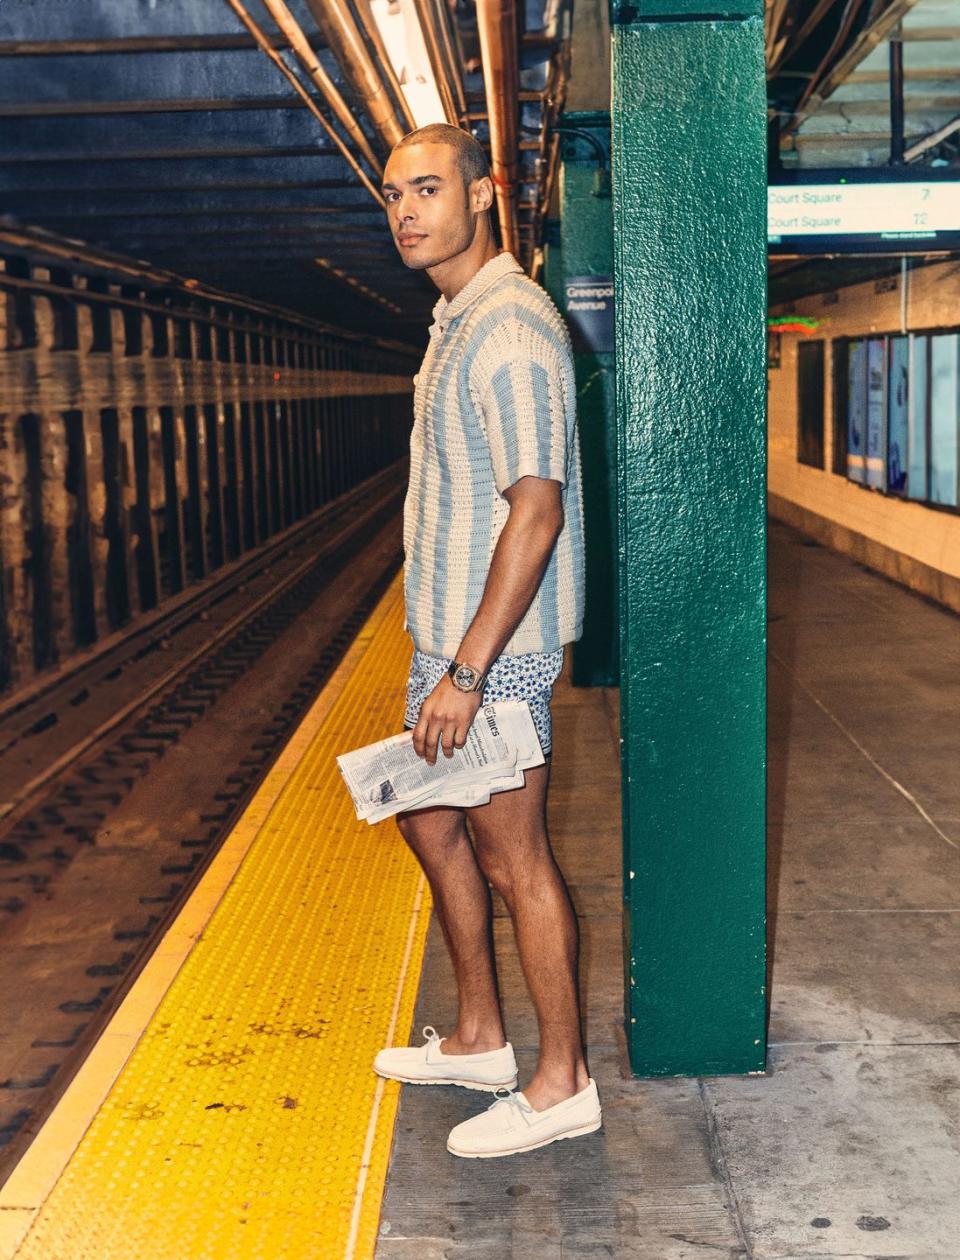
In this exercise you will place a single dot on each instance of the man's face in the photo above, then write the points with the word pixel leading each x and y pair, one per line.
pixel 432 216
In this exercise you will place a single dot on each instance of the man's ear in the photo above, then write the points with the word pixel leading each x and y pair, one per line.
pixel 481 194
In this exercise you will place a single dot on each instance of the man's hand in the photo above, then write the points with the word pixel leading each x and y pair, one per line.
pixel 445 717
pixel 520 557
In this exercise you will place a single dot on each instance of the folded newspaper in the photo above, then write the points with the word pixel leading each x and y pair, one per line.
pixel 387 777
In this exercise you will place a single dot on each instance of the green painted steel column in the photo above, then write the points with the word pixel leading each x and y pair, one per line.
pixel 586 228
pixel 689 183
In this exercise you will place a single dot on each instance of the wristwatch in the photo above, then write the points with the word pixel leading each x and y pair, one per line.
pixel 465 677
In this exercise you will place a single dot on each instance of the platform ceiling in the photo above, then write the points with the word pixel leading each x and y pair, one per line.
pixel 829 74
pixel 157 129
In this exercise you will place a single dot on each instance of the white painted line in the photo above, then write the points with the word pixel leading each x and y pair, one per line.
pixel 873 761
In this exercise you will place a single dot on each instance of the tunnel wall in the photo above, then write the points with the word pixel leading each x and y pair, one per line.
pixel 151 434
pixel 914 543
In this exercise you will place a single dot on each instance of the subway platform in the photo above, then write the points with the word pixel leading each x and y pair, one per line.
pixel 849 1145
pixel 229 1110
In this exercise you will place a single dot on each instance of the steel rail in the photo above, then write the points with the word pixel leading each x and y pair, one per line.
pixel 191 857
pixel 165 623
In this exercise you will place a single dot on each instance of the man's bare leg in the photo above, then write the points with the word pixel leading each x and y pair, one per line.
pixel 461 898
pixel 513 850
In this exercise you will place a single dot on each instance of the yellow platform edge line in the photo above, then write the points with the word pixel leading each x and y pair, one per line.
pixel 369 1195
pixel 40 1168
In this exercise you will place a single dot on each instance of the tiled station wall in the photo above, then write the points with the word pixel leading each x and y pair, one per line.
pixel 910 542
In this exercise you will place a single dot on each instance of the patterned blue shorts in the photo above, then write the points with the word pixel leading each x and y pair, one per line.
pixel 529 677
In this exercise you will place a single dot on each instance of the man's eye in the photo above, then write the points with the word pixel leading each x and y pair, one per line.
pixel 429 188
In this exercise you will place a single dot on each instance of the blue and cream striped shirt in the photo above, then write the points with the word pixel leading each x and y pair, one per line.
pixel 494 401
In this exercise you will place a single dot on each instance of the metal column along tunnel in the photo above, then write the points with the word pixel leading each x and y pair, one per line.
pixel 688 118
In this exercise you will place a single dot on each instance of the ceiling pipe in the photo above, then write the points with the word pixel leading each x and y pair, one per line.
pixel 426 16
pixel 293 31
pixel 345 41
pixel 264 42
pixel 451 48
pixel 933 139
pixel 368 22
pixel 497 27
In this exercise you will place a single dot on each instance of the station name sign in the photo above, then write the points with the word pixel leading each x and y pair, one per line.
pixel 589 310
pixel 847 215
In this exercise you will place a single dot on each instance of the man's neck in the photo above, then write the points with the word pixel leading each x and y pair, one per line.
pixel 455 273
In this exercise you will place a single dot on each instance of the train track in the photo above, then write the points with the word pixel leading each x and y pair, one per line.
pixel 49 713
pixel 150 752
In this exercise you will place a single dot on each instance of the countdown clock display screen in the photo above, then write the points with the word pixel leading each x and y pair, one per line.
pixel 821 212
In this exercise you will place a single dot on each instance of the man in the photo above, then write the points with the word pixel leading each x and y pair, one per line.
pixel 493 538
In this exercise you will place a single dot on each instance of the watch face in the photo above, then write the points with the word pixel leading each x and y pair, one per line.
pixel 465 677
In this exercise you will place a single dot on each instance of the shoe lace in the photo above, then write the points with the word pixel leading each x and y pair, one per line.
pixel 431 1035
pixel 512 1099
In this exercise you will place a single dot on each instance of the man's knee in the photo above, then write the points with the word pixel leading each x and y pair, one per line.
pixel 497 859
pixel 510 860
pixel 497 872
pixel 431 831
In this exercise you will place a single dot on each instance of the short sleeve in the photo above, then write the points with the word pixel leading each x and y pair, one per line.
pixel 524 410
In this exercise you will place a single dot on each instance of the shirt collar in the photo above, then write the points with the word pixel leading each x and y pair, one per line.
pixel 502 265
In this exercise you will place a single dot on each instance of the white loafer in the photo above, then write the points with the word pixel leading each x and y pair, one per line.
pixel 510 1125
pixel 428 1065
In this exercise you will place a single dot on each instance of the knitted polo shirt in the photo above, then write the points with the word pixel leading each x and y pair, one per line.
pixel 494 401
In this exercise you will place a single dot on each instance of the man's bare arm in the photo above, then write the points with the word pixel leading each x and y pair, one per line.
pixel 519 560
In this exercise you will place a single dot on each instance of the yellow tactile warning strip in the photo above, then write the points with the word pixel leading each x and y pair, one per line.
pixel 247 1122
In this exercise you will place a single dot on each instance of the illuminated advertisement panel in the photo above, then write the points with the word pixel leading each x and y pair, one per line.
pixel 876 353
pixel 898 416
pixel 857 411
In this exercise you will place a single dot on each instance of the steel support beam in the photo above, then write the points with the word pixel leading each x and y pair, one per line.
pixel 131 45
pixel 896 102
pixel 161 105
pixel 689 182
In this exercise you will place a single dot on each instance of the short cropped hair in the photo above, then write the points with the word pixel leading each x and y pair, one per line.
pixel 471 155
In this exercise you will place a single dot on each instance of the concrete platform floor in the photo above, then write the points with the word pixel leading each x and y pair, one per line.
pixel 849 1146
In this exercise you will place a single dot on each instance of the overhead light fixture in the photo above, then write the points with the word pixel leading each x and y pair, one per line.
pixel 402 36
